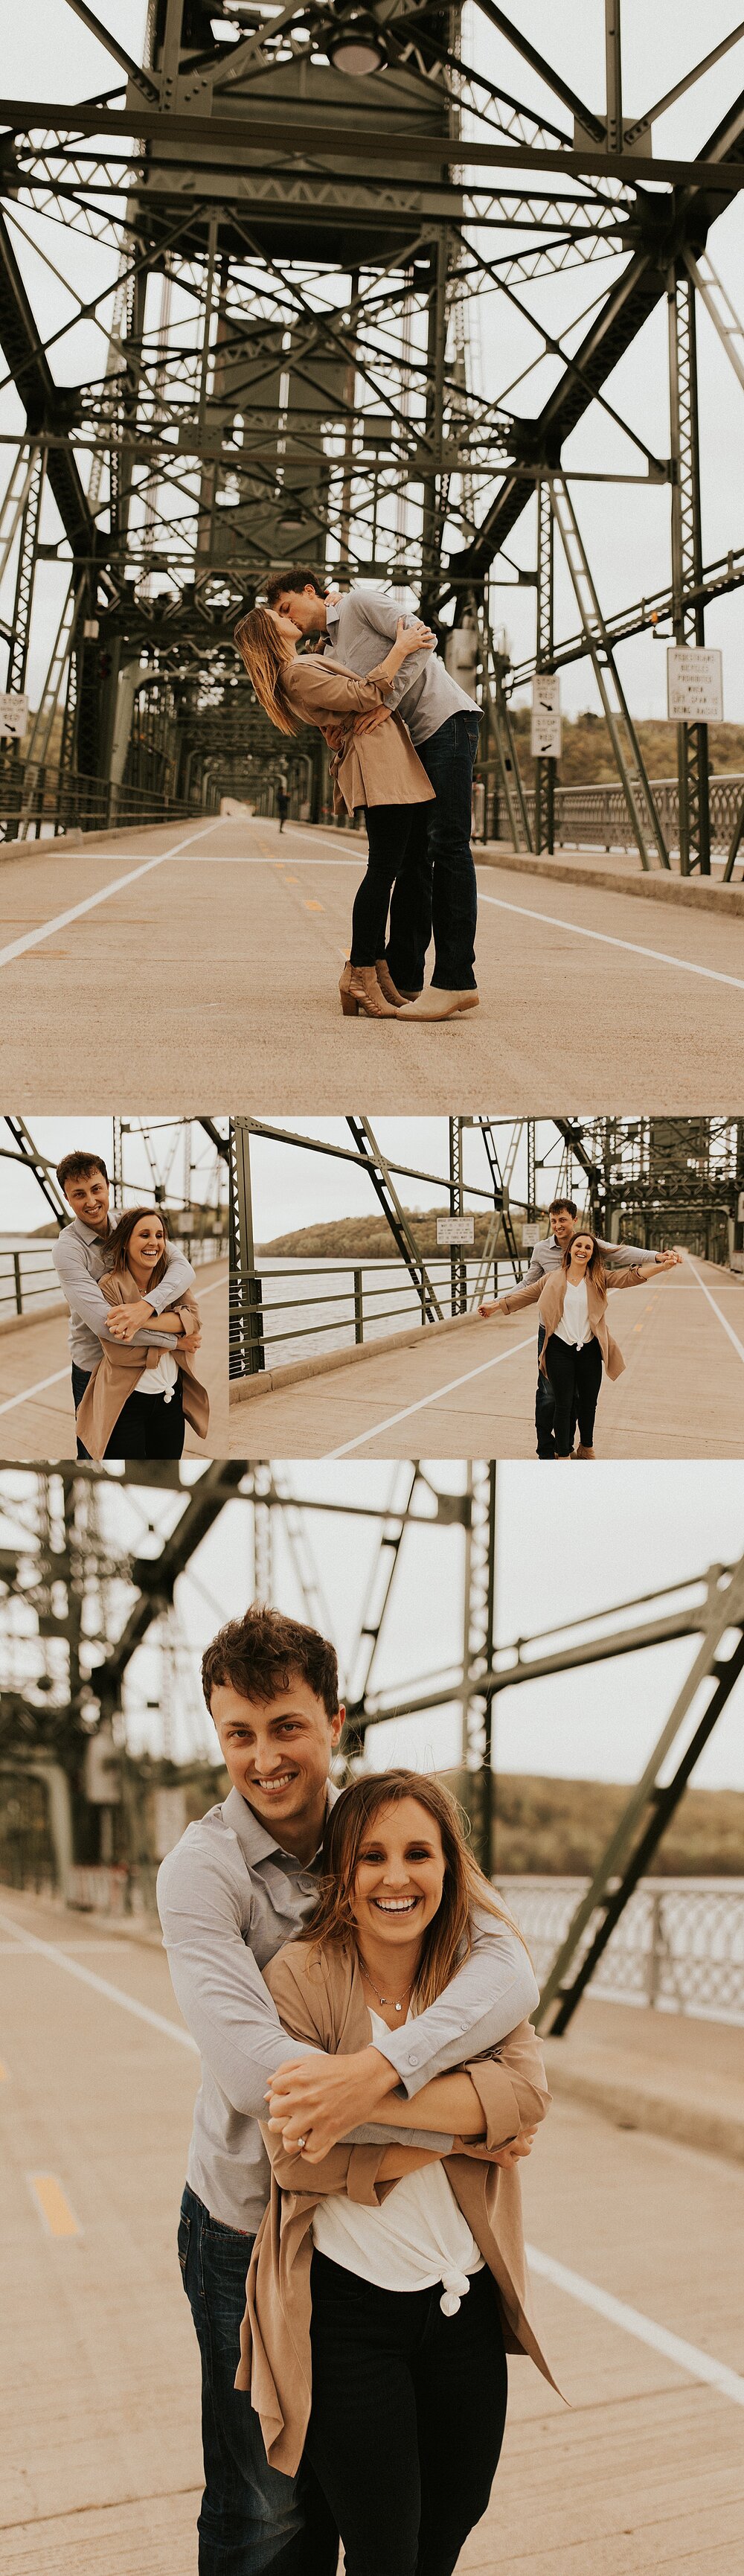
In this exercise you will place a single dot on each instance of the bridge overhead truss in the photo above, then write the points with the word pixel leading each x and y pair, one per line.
pixel 297 278
pixel 78 1598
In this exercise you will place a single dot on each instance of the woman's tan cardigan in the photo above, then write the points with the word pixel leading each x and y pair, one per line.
pixel 551 1294
pixel 320 1997
pixel 375 768
pixel 120 1365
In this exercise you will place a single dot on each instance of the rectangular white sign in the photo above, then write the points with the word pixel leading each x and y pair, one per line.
pixel 545 726
pixel 532 1234
pixel 13 712
pixel 694 684
pixel 455 1229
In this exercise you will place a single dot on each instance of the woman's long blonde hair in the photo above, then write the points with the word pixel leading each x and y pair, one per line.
pixel 595 1268
pixel 448 1939
pixel 259 642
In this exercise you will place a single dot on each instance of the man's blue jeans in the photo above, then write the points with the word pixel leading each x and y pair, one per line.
pixel 436 888
pixel 79 1382
pixel 544 1405
pixel 253 2521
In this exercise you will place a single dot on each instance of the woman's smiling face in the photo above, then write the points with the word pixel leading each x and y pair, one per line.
pixel 147 1242
pixel 399 1875
pixel 581 1250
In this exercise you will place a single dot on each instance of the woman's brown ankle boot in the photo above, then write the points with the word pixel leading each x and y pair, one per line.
pixel 388 989
pixel 363 993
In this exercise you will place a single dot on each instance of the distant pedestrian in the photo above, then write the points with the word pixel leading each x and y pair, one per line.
pixel 282 806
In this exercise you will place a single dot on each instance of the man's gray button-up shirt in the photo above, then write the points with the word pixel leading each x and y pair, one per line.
pixel 229 1898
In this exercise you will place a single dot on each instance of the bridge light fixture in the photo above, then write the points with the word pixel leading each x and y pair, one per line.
pixel 355 45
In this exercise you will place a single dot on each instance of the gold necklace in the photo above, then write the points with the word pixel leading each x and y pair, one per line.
pixel 384 1999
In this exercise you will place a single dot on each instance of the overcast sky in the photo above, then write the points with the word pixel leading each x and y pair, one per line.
pixel 23 1206
pixel 619 1534
pixel 295 1188
pixel 45 47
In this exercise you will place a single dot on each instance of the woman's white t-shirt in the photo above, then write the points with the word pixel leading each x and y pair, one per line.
pixel 416 2238
pixel 574 1325
pixel 160 1380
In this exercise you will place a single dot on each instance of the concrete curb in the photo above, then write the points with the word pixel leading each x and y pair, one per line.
pixel 612 2085
pixel 41 1315
pixel 76 840
pixel 703 895
pixel 297 1372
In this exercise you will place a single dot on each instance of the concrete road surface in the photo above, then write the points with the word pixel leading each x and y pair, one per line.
pixel 36 1412
pixel 638 2293
pixel 228 943
pixel 470 1392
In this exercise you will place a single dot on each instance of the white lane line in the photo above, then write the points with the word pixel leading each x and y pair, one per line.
pixel 687 2356
pixel 113 1994
pixel 717 1310
pixel 34 938
pixel 28 1392
pixel 660 956
pixel 434 1397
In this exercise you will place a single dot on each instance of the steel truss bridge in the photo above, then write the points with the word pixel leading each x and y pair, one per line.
pixel 680 1180
pixel 296 232
pixel 186 1162
pixel 78 1600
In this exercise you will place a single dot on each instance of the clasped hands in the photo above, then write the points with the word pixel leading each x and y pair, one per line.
pixel 123 1321
pixel 315 2101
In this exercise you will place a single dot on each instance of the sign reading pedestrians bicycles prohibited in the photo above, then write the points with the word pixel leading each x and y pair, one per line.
pixel 13 712
pixel 545 729
pixel 694 684
pixel 455 1229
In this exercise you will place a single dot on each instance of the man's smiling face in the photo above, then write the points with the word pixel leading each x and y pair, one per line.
pixel 277 1751
pixel 88 1198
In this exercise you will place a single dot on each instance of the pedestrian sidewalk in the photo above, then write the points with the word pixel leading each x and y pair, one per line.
pixel 668 2072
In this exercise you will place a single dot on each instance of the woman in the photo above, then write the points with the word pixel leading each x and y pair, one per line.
pixel 131 1410
pixel 573 1309
pixel 385 2282
pixel 374 765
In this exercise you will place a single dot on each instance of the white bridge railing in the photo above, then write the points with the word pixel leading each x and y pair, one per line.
pixel 596 817
pixel 679 1945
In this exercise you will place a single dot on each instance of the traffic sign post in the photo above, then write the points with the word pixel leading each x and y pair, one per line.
pixel 694 684
pixel 13 713
pixel 455 1229
pixel 545 726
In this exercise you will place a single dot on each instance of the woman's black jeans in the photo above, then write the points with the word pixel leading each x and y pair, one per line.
pixel 575 1377
pixel 388 832
pixel 407 2419
pixel 149 1428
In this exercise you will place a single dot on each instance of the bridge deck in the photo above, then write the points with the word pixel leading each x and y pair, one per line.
pixel 36 1414
pixel 471 1392
pixel 226 929
pixel 100 2449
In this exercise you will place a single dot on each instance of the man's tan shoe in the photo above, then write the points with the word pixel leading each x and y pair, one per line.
pixel 435 1004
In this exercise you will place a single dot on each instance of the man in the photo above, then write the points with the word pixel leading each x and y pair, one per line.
pixel 547 1256
pixel 238 1884
pixel 437 885
pixel 282 805
pixel 79 1256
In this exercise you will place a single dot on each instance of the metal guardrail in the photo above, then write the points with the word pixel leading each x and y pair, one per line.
pixel 679 1946
pixel 41 797
pixel 28 1277
pixel 357 1315
pixel 588 817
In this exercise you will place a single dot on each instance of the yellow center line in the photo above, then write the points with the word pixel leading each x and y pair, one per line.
pixel 54 2207
pixel 3 2073
pixel 313 907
